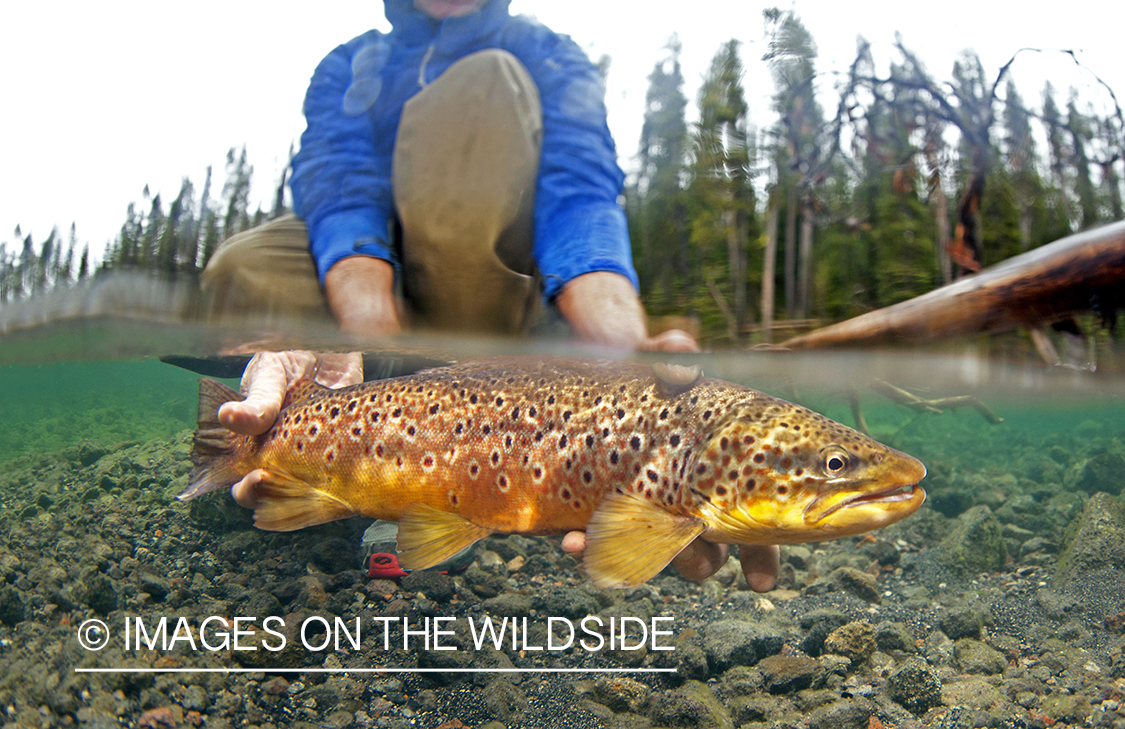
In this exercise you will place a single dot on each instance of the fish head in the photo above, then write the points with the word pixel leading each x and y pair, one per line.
pixel 776 473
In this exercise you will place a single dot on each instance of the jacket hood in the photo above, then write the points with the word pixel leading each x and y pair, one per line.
pixel 413 27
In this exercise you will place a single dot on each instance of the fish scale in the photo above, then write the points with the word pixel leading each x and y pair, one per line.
pixel 642 461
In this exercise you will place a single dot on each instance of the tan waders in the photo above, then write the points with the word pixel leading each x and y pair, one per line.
pixel 465 165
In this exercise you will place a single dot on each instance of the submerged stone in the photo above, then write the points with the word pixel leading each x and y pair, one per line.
pixel 1094 540
pixel 915 686
pixel 976 543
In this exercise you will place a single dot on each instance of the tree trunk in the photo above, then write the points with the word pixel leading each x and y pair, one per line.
pixel 737 257
pixel 768 267
pixel 805 259
pixel 941 216
pixel 791 254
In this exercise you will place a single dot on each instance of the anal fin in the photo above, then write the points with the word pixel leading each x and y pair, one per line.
pixel 629 540
pixel 286 503
pixel 429 536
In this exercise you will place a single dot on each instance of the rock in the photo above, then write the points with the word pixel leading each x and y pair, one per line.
pixel 100 594
pixel 855 582
pixel 508 605
pixel 855 641
pixel 622 694
pixel 739 642
pixel 333 554
pixel 784 674
pixel 965 622
pixel 566 602
pixel 1094 540
pixel 434 585
pixel 505 701
pixel 691 705
pixel 973 692
pixel 915 686
pixel 972 656
pixel 1101 471
pixel 12 609
pixel 818 624
pixel 843 714
pixel 975 544
pixel 894 636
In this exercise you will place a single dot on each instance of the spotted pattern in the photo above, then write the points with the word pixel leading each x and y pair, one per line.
pixel 559 434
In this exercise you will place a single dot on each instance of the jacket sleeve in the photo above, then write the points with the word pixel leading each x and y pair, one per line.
pixel 579 225
pixel 341 179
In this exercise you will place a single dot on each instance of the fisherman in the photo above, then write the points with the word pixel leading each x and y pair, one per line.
pixel 464 161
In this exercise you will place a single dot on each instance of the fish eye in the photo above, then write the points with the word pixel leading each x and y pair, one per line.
pixel 835 462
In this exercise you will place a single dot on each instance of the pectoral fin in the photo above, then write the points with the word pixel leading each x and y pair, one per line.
pixel 629 539
pixel 429 536
pixel 286 503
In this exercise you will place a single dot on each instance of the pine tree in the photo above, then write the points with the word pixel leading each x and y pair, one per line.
pixel 656 200
pixel 236 193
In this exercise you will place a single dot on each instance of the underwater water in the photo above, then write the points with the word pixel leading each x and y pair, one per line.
pixel 1000 603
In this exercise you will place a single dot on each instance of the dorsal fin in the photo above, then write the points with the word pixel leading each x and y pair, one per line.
pixel 302 389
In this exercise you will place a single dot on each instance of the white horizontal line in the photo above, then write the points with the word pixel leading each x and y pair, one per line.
pixel 375 670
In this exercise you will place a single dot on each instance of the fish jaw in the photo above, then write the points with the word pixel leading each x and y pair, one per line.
pixel 879 495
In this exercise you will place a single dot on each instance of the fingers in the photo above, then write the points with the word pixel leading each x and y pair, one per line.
pixel 243 491
pixel 673 340
pixel 760 563
pixel 701 559
pixel 339 369
pixel 574 544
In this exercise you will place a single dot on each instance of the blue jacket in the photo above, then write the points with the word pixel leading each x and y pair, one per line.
pixel 341 178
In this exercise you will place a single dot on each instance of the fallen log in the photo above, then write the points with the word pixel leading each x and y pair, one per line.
pixel 1078 273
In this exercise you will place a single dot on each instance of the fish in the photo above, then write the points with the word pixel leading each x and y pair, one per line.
pixel 644 458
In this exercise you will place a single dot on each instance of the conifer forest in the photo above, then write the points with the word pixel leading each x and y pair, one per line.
pixel 863 188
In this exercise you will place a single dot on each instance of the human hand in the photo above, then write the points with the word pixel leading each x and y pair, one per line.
pixel 360 292
pixel 264 382
pixel 701 559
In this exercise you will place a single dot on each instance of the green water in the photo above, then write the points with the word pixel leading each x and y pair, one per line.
pixel 48 408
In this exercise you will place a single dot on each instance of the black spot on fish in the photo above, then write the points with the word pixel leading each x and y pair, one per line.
pixel 664 414
pixel 587 476
pixel 474 469
pixel 334 412
pixel 750 484
pixel 538 473
pixel 499 401
pixel 605 432
pixel 508 441
pixel 538 435
pixel 748 439
pixel 706 414
pixel 397 412
pixel 460 427
pixel 313 430
pixel 674 441
pixel 551 400
pixel 515 413
pixel 428 462
pixel 434 409
pixel 565 493
pixel 635 442
pixel 782 490
pixel 486 428
pixel 733 475
pixel 613 458
pixel 410 431
pixel 379 450
pixel 589 441
pixel 351 405
pixel 652 475
pixel 620 413
pixel 297 419
pixel 300 446
pixel 759 457
pixel 532 411
pixel 473 398
pixel 357 431
pixel 566 415
pixel 562 441
pixel 597 400
pixel 720 490
pixel 724 443
pixel 701 469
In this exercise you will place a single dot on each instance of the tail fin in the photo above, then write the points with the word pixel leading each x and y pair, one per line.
pixel 212 443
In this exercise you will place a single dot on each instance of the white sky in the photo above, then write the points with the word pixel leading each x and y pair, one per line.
pixel 100 99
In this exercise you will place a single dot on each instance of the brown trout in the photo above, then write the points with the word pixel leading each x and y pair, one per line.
pixel 643 461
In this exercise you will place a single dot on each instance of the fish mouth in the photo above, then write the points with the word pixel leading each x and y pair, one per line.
pixel 893 498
